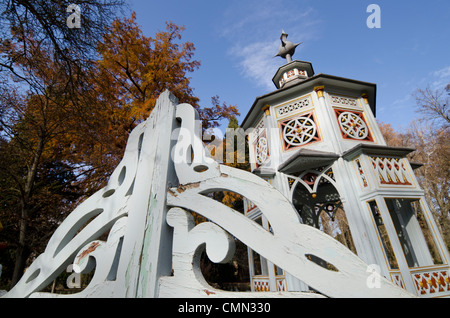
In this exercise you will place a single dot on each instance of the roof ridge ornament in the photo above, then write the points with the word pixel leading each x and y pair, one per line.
pixel 287 48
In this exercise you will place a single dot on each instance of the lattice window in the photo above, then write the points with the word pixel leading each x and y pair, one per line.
pixel 353 125
pixel 391 171
pixel 299 131
pixel 319 204
pixel 294 106
pixel 312 178
pixel 345 101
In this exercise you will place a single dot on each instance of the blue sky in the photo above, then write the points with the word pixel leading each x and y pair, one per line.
pixel 236 41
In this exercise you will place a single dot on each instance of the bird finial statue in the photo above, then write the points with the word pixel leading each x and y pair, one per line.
pixel 287 48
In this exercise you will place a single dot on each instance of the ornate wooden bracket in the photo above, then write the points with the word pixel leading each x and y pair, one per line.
pixel 164 173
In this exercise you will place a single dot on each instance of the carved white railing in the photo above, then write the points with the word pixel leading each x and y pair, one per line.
pixel 433 281
pixel 157 182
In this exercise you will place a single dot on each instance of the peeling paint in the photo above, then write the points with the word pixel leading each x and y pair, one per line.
pixel 89 250
pixel 209 292
pixel 188 186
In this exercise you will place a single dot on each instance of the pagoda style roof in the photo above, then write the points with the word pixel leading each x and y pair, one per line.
pixel 292 91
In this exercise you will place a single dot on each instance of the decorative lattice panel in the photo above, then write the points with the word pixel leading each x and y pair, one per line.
pixel 260 126
pixel 432 282
pixel 343 101
pixel 261 147
pixel 261 284
pixel 292 107
pixel 281 284
pixel 361 174
pixel 391 171
pixel 299 131
pixel 262 150
pixel 398 279
pixel 353 125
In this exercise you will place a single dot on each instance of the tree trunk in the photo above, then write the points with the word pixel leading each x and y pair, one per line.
pixel 23 250
pixel 22 253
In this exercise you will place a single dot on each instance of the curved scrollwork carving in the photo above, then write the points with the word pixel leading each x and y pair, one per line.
pixel 95 216
pixel 130 207
pixel 189 241
pixel 137 258
pixel 288 246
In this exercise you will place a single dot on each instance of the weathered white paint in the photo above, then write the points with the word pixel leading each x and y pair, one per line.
pixel 290 242
pixel 138 256
pixel 188 243
pixel 135 195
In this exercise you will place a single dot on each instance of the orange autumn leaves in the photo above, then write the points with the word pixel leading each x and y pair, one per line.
pixel 135 69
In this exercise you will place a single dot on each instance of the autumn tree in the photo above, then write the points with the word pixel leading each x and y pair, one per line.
pixel 433 151
pixel 433 106
pixel 43 91
pixel 430 135
pixel 64 122
pixel 212 116
pixel 41 128
pixel 392 137
pixel 46 21
pixel 134 69
pixel 140 68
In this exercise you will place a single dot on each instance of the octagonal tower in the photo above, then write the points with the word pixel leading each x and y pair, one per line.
pixel 315 138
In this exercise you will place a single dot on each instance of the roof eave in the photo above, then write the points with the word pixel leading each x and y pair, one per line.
pixel 319 79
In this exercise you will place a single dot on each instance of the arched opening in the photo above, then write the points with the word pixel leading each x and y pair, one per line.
pixel 318 203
